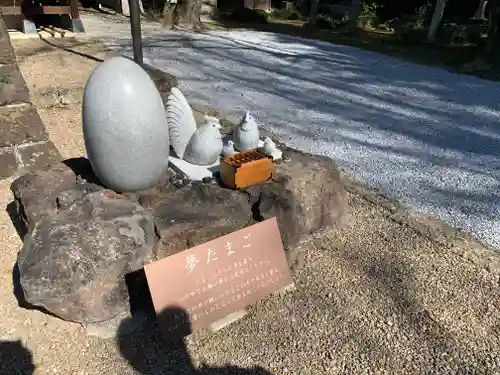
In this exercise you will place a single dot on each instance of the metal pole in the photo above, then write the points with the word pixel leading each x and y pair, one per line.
pixel 135 26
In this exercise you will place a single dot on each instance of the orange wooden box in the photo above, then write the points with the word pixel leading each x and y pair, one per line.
pixel 246 169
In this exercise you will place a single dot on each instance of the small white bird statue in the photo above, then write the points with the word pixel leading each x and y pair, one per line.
pixel 228 149
pixel 246 134
pixel 200 146
pixel 269 148
pixel 205 145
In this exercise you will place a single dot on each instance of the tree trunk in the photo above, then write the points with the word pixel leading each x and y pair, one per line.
pixel 479 15
pixel 436 20
pixel 354 15
pixel 125 10
pixel 313 14
pixel 169 9
pixel 493 20
pixel 188 13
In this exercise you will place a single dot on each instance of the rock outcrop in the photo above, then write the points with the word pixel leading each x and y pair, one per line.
pixel 82 239
pixel 73 263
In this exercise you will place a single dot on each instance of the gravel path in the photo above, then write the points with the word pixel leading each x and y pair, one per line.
pixel 423 135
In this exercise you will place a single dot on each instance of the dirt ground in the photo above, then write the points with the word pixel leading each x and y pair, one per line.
pixel 390 293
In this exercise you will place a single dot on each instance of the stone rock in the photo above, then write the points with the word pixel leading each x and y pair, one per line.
pixel 124 126
pixel 195 214
pixel 84 239
pixel 69 197
pixel 8 162
pixel 36 193
pixel 44 191
pixel 37 155
pixel 164 185
pixel 307 197
pixel 73 263
pixel 55 187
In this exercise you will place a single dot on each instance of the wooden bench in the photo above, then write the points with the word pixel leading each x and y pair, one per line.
pixel 67 9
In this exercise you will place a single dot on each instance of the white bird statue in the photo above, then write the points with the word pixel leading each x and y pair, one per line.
pixel 269 148
pixel 200 146
pixel 205 145
pixel 228 149
pixel 246 134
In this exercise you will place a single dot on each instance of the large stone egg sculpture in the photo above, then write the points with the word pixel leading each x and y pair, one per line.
pixel 124 126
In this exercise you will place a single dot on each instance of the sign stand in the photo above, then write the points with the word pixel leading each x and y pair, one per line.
pixel 228 320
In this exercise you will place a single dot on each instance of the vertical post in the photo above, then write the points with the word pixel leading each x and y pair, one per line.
pixel 135 28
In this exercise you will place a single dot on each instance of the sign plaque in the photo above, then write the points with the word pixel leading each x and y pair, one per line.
pixel 210 281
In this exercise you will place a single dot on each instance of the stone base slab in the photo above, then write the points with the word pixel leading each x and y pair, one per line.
pixel 227 320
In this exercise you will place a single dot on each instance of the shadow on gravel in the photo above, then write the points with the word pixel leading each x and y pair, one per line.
pixel 151 353
pixel 15 359
pixel 15 216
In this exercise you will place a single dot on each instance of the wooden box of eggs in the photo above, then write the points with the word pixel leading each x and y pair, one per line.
pixel 246 168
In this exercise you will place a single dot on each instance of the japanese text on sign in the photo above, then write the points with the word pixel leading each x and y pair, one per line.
pixel 192 261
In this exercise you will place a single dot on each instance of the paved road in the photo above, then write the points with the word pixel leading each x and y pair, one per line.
pixel 423 135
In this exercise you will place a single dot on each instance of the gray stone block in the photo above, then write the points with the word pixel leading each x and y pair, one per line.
pixel 29 27
pixel 8 162
pixel 73 264
pixel 36 192
pixel 195 214
pixel 20 124
pixel 307 197
pixel 12 86
pixel 37 155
